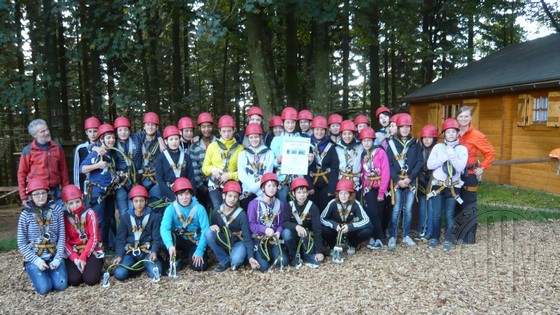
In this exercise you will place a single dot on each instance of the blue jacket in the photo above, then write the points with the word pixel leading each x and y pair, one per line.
pixel 170 222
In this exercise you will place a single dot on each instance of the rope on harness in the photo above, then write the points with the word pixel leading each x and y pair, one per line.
pixel 309 246
pixel 227 241
pixel 137 266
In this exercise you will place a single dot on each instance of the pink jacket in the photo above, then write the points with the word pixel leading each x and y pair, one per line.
pixel 380 166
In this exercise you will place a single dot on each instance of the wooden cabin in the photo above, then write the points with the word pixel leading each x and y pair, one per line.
pixel 515 94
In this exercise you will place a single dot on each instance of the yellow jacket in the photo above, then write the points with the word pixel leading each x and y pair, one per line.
pixel 214 158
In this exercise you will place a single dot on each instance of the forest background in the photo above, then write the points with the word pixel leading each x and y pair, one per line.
pixel 64 61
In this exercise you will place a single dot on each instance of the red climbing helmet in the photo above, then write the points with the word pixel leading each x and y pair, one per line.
pixel 103 129
pixel 450 123
pixel 232 185
pixel 204 118
pixel 181 184
pixel 138 191
pixel 305 114
pixel 345 184
pixel 319 122
pixel 151 117
pixel 429 131
pixel 299 182
pixel 36 184
pixel 170 131
pixel 92 123
pixel 226 121
pixel 275 121
pixel 347 125
pixel 367 133
pixel 121 122
pixel 268 177
pixel 334 119
pixel 71 192
pixel 253 129
pixel 255 111
pixel 382 110
pixel 361 119
pixel 289 113
pixel 185 123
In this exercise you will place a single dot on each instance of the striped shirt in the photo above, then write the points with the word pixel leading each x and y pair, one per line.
pixel 28 231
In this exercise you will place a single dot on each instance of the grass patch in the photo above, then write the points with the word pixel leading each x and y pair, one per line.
pixel 494 214
pixel 6 245
pixel 490 193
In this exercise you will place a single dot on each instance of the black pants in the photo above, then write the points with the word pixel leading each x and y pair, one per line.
pixel 185 250
pixel 466 222
pixel 374 210
pixel 92 272
pixel 354 237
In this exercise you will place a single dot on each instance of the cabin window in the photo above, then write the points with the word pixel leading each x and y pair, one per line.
pixel 450 111
pixel 540 109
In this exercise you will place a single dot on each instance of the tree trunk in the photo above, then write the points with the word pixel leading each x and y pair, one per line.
pixel 84 65
pixel 50 72
pixel 111 89
pixel 262 66
pixel 222 103
pixel 386 74
pixel 20 62
pixel 346 56
pixel 374 64
pixel 291 79
pixel 176 91
pixel 62 60
pixel 145 76
pixel 186 65
pixel 152 55
pixel 320 69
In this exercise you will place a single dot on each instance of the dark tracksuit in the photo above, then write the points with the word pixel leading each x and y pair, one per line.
pixel 329 161
pixel 312 223
pixel 359 226
pixel 165 175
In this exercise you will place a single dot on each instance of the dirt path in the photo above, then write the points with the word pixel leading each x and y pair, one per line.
pixel 8 222
pixel 512 269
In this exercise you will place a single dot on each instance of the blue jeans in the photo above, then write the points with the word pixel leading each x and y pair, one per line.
pixel 216 198
pixel 122 273
pixel 153 190
pixel 282 193
pixel 47 280
pixel 291 239
pixel 105 211
pixel 238 251
pixel 122 201
pixel 425 216
pixel 56 193
pixel 274 253
pixel 443 203
pixel 404 198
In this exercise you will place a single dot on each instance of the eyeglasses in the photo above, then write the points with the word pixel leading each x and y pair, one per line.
pixel 39 194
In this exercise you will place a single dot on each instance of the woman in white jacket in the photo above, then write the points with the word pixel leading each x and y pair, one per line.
pixel 447 160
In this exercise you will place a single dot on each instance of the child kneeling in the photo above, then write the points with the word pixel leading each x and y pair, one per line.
pixel 229 236
pixel 138 238
pixel 302 227
pixel 345 215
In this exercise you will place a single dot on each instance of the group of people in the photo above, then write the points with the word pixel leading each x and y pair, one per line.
pixel 360 184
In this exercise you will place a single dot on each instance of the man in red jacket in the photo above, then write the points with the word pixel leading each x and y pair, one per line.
pixel 42 159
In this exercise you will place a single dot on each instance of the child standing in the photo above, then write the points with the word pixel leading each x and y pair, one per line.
pixel 448 160
pixel 252 163
pixel 406 161
pixel 428 140
pixel 375 180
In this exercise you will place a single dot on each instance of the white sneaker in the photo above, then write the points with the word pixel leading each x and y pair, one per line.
pixel 408 241
pixel 371 243
pixel 392 243
pixel 351 250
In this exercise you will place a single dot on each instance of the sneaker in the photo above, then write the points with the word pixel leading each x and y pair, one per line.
pixel 313 265
pixel 377 245
pixel 433 244
pixel 371 244
pixel 351 250
pixel 408 241
pixel 221 268
pixel 446 246
pixel 296 263
pixel 419 237
pixel 392 243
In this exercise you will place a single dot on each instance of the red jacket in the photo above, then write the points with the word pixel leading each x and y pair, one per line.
pixel 90 228
pixel 476 141
pixel 49 165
